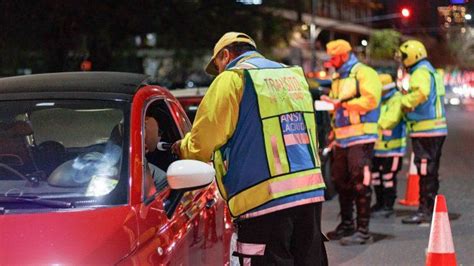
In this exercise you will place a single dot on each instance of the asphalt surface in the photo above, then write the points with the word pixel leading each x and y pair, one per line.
pixel 399 244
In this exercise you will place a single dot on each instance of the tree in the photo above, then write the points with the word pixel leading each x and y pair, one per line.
pixel 384 43
pixel 56 35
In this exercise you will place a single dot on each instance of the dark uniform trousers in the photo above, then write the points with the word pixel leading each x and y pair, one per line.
pixel 351 176
pixel 290 237
pixel 384 179
pixel 427 152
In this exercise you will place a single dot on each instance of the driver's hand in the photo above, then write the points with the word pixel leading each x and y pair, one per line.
pixel 176 148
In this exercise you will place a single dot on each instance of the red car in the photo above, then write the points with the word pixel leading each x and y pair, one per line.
pixel 75 185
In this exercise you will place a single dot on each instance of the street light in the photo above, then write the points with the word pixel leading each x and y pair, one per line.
pixel 250 2
pixel 315 31
pixel 468 17
pixel 364 42
pixel 406 12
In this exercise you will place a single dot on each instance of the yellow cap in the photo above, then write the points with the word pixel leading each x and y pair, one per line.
pixel 387 81
pixel 338 47
pixel 225 40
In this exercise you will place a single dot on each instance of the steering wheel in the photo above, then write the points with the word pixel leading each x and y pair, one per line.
pixel 15 172
pixel 51 146
pixel 49 155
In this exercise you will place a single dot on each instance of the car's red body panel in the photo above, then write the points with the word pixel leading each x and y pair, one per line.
pixel 68 237
pixel 139 235
pixel 197 234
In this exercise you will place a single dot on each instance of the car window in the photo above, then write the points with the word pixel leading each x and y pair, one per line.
pixel 181 117
pixel 160 131
pixel 68 125
pixel 69 149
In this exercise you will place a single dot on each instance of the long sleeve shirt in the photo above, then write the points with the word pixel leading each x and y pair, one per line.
pixel 419 91
pixel 370 91
pixel 216 117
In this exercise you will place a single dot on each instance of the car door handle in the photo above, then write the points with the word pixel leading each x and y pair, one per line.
pixel 210 203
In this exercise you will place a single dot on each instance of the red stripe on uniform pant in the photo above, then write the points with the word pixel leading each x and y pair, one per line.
pixel 250 249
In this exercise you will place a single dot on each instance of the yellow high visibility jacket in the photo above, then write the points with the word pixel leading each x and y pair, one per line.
pixel 392 134
pixel 359 89
pixel 263 133
pixel 425 98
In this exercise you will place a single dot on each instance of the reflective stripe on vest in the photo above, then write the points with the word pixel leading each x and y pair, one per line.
pixel 425 125
pixel 289 133
pixel 356 130
pixel 351 124
pixel 390 145
pixel 275 188
pixel 440 92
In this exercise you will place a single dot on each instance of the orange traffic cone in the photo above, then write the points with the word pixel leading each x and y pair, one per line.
pixel 440 247
pixel 413 185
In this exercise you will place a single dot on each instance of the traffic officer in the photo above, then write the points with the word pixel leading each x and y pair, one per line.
pixel 389 149
pixel 258 122
pixel 355 93
pixel 426 118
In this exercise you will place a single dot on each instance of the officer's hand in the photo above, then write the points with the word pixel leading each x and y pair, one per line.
pixel 387 132
pixel 326 98
pixel 336 103
pixel 331 136
pixel 176 148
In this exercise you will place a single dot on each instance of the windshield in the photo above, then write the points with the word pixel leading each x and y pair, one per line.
pixel 64 149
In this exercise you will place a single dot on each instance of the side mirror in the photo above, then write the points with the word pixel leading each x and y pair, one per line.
pixel 186 175
pixel 323 106
pixel 189 175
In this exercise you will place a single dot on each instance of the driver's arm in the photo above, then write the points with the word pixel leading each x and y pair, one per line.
pixel 157 174
pixel 150 187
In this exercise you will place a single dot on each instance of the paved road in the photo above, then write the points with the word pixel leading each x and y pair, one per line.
pixel 398 244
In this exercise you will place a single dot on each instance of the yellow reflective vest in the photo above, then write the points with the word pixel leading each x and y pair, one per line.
pixel 359 89
pixel 270 160
pixel 425 98
pixel 392 134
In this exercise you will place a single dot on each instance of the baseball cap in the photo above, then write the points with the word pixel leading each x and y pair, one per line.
pixel 225 40
pixel 338 47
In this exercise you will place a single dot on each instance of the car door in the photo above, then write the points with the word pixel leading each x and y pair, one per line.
pixel 213 226
pixel 178 239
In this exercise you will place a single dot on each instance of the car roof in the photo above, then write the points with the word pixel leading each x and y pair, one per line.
pixel 101 82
